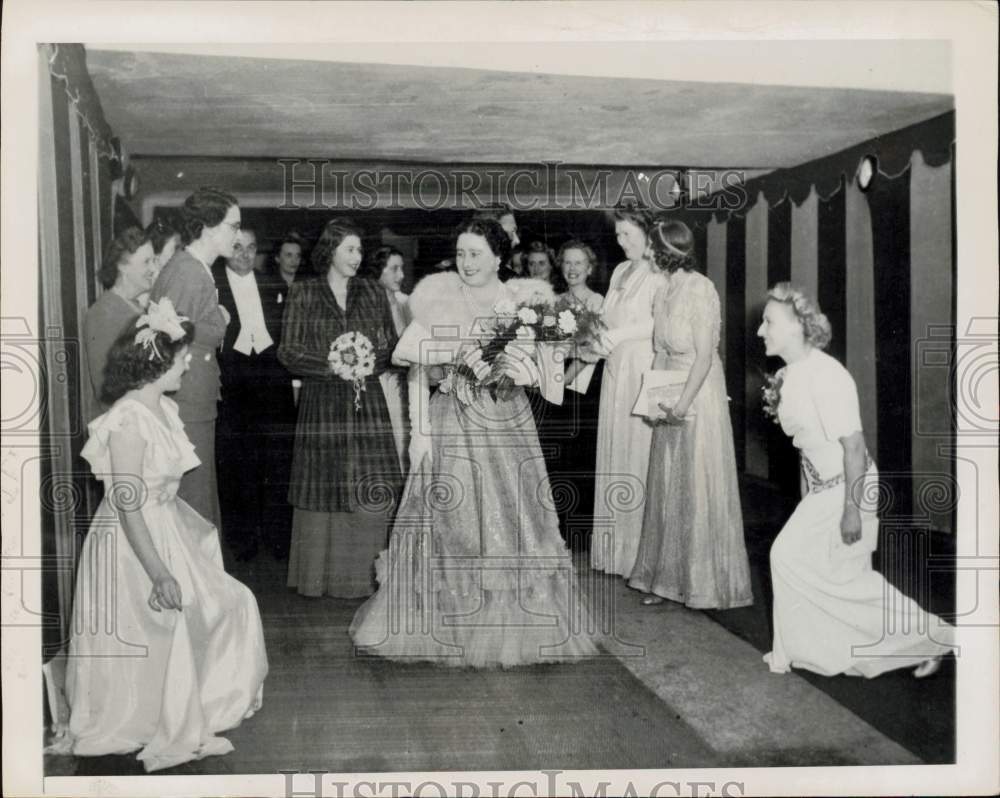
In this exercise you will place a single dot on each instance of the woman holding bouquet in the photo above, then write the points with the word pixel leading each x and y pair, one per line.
pixel 345 472
pixel 692 549
pixel 476 573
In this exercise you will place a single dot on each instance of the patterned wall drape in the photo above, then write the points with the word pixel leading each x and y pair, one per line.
pixel 75 154
pixel 880 262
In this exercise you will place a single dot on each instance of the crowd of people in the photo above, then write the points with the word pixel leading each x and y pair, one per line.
pixel 443 511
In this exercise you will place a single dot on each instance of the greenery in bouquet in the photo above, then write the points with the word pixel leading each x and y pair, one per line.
pixel 514 332
pixel 771 392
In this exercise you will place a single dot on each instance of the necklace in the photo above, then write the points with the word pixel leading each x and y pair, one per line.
pixel 481 311
pixel 478 304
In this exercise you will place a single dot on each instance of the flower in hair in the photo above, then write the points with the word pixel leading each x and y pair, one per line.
pixel 160 317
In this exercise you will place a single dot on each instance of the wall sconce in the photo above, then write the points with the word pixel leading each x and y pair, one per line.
pixel 866 172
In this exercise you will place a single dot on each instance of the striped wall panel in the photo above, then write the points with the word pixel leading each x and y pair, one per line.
pixel 754 360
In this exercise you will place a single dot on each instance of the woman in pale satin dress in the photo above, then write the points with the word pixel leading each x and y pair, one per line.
pixel 386 267
pixel 623 439
pixel 167 649
pixel 692 549
pixel 833 613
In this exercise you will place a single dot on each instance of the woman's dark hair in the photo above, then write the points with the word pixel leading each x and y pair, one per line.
pixel 490 229
pixel 643 218
pixel 121 246
pixel 373 266
pixel 673 246
pixel 165 225
pixel 207 207
pixel 537 246
pixel 333 236
pixel 130 366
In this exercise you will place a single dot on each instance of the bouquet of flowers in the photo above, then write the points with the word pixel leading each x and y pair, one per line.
pixel 771 392
pixel 352 358
pixel 515 332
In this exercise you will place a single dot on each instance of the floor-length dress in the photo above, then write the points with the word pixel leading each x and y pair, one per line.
pixel 394 384
pixel 623 440
pixel 692 548
pixel 476 573
pixel 833 613
pixel 345 472
pixel 166 681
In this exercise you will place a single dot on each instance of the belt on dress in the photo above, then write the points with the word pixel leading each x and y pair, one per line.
pixel 816 484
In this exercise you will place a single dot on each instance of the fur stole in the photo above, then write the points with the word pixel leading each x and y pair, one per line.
pixel 438 298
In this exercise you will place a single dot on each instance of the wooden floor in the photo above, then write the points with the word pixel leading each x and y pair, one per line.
pixel 327 709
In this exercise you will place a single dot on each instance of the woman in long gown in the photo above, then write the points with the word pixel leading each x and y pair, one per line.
pixel 692 549
pixel 345 473
pixel 623 439
pixel 167 649
pixel 475 573
pixel 386 268
pixel 833 613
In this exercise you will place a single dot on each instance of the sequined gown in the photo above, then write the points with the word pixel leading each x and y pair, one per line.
pixel 692 548
pixel 476 573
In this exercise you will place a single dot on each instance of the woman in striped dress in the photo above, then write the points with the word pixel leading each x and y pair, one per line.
pixel 345 472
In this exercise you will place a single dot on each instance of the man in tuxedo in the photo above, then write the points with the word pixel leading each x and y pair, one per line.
pixel 257 414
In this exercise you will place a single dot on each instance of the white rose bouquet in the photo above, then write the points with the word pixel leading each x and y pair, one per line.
pixel 352 358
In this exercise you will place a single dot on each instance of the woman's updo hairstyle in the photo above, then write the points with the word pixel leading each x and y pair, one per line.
pixel 121 246
pixel 815 325
pixel 131 365
pixel 333 236
pixel 165 225
pixel 673 246
pixel 207 207
pixel 490 229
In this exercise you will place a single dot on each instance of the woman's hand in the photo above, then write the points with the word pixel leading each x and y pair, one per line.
pixel 671 415
pixel 166 594
pixel 850 525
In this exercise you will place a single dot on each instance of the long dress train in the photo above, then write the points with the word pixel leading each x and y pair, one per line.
pixel 476 573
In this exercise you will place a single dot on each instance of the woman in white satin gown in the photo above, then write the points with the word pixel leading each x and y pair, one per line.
pixel 623 440
pixel 167 650
pixel 833 613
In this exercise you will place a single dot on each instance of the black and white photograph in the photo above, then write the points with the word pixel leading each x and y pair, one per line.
pixel 499 399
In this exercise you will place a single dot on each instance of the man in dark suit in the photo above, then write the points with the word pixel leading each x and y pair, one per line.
pixel 257 414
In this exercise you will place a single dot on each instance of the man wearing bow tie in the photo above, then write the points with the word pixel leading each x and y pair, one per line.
pixel 257 413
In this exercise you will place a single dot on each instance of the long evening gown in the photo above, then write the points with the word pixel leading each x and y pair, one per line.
pixel 394 384
pixel 692 547
pixel 623 440
pixel 833 613
pixel 476 573
pixel 345 471
pixel 166 682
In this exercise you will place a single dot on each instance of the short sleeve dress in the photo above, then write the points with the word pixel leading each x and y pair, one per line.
pixel 165 682
pixel 833 613
pixel 692 548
